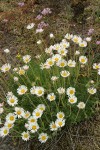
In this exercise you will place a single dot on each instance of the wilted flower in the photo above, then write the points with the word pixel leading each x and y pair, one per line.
pixel 81 105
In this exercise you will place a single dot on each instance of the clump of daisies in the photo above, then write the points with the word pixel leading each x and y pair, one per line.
pixel 45 93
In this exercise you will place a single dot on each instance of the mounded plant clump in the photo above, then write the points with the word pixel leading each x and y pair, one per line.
pixel 51 90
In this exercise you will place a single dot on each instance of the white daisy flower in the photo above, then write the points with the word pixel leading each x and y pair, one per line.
pixel 72 99
pixel 19 112
pixel 8 125
pixel 51 97
pixel 11 118
pixel 22 90
pixel 57 47
pixel 26 58
pixel 37 113
pixel 60 123
pixel 83 44
pixel 62 52
pixel 70 91
pixel 21 71
pixel 92 90
pixel 81 105
pixel 26 114
pixel 50 62
pixel 71 63
pixel 65 73
pixel 83 59
pixel 61 90
pixel 25 136
pixel 76 39
pixel 33 127
pixel 6 67
pixel 12 100
pixel 41 107
pixel 56 57
pixel 4 131
pixel 39 91
pixel 60 115
pixel 96 66
pixel 43 137
pixel 64 44
pixel 53 126
pixel 32 120
pixel 62 63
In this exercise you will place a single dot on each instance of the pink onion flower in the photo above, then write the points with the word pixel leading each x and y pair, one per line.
pixel 39 17
pixel 21 4
pixel 98 42
pixel 46 11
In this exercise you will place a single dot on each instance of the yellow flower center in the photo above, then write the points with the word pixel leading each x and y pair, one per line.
pixel 76 40
pixel 32 120
pixel 71 92
pixel 50 62
pixel 26 135
pixel 82 45
pixel 22 90
pixel 18 112
pixel 43 137
pixel 9 125
pixel 71 100
pixel 60 123
pixel 56 59
pixel 52 98
pixel 34 127
pixel 40 92
pixel 60 115
pixel 97 67
pixel 21 72
pixel 12 100
pixel 62 64
pixel 7 68
pixel 5 131
pixel 37 114
pixel 11 118
pixel 82 60
pixel 54 126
